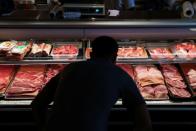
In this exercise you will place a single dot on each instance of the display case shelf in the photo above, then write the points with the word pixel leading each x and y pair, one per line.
pixel 152 61
pixel 25 62
pixel 64 61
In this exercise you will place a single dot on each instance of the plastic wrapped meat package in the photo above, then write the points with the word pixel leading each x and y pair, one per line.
pixel 6 46
pixel 65 51
pixel 19 50
pixel 185 50
pixel 40 50
pixel 132 52
pixel 160 53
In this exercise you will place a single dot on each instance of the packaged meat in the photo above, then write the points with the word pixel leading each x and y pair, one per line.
pixel 27 82
pixel 36 50
pixel 148 75
pixel 40 50
pixel 160 53
pixel 21 47
pixel 154 92
pixel 46 50
pixel 177 87
pixel 189 71
pixel 185 50
pixel 150 82
pixel 6 46
pixel 67 50
pixel 19 50
pixel 132 52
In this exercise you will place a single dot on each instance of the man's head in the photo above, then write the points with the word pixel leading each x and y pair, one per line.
pixel 104 47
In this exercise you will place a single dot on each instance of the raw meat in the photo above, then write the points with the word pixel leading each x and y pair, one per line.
pixel 147 91
pixel 40 50
pixel 150 82
pixel 37 50
pixel 180 92
pixel 192 76
pixel 185 50
pixel 5 77
pixel 160 91
pixel 175 84
pixel 6 46
pixel 190 72
pixel 154 91
pixel 160 52
pixel 132 52
pixel 148 75
pixel 21 47
pixel 20 50
pixel 65 49
pixel 46 50
pixel 29 79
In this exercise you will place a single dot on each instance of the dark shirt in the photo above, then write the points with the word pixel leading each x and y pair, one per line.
pixel 85 94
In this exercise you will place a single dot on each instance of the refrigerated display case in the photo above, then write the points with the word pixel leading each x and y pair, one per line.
pixel 145 33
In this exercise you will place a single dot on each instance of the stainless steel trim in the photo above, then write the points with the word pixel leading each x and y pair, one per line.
pixel 153 103
pixel 63 61
pixel 96 23
pixel 36 62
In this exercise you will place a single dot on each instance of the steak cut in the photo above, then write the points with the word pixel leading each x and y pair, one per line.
pixel 6 72
pixel 150 82
pixel 180 92
pixel 28 79
pixel 176 84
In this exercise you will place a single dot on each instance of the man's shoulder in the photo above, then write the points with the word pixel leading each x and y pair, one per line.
pixel 123 73
pixel 78 63
pixel 120 70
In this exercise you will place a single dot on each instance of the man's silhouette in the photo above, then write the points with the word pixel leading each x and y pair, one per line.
pixel 84 93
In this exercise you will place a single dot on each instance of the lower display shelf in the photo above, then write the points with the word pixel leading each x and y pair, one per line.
pixel 66 61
